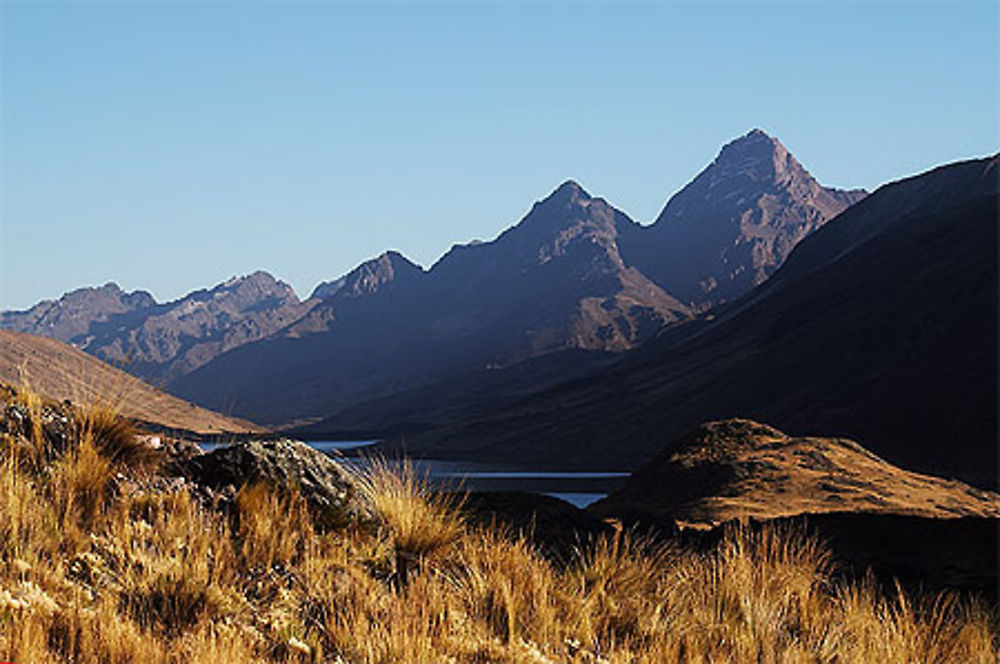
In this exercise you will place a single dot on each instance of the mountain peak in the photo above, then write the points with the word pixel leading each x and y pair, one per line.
pixel 370 276
pixel 569 192
pixel 758 133
pixel 397 260
pixel 734 224
pixel 760 157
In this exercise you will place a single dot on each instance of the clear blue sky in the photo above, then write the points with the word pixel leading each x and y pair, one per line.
pixel 170 146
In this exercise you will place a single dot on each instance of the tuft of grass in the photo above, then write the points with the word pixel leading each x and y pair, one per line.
pixel 78 486
pixel 116 438
pixel 271 528
pixel 420 522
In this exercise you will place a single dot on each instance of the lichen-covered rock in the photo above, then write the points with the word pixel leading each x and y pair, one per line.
pixel 326 485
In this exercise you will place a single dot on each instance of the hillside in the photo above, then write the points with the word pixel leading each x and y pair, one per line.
pixel 59 372
pixel 112 556
pixel 742 469
pixel 880 327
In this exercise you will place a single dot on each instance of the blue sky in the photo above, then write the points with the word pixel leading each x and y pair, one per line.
pixel 171 146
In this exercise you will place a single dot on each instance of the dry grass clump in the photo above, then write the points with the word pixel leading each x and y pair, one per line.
pixel 419 521
pixel 116 438
pixel 138 574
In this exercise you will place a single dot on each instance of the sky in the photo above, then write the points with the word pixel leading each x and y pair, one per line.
pixel 170 146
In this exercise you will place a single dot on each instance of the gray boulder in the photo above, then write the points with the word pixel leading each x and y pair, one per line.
pixel 326 485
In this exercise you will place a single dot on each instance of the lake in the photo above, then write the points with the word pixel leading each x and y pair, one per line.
pixel 577 488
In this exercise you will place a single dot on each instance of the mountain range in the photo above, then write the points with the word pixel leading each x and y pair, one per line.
pixel 881 327
pixel 159 342
pixel 574 273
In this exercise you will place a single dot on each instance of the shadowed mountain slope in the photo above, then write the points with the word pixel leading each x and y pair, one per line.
pixel 59 371
pixel 450 401
pixel 881 327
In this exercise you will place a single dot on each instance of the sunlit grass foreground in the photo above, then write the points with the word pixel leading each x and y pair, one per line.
pixel 100 562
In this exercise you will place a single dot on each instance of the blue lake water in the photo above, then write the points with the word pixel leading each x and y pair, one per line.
pixel 577 488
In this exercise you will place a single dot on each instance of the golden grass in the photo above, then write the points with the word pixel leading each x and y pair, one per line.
pixel 140 574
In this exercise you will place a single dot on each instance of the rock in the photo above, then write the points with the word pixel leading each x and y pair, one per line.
pixel 326 485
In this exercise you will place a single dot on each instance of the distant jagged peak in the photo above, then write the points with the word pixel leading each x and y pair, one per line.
pixel 570 190
pixel 370 276
pixel 257 278
pixel 255 285
pixel 569 206
pixel 108 291
pixel 568 195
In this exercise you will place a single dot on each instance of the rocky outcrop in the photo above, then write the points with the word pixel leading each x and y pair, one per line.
pixel 326 485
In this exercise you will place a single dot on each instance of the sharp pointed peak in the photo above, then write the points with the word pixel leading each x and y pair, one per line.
pixel 390 259
pixel 396 258
pixel 756 140
pixel 370 275
pixel 568 191
pixel 760 152
pixel 758 133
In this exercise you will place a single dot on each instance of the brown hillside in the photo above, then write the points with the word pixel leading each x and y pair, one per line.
pixel 60 371
pixel 739 468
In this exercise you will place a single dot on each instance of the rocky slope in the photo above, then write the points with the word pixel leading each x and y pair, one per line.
pixel 735 223
pixel 59 371
pixel 738 468
pixel 881 327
